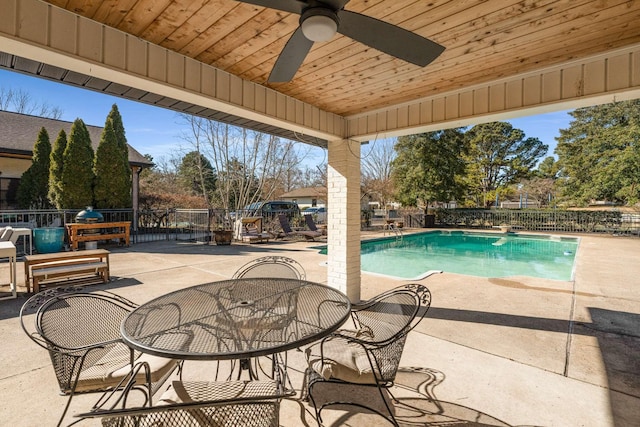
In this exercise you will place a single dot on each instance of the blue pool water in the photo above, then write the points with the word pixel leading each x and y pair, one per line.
pixel 475 254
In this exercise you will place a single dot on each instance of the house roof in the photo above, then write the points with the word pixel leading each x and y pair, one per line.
pixel 313 192
pixel 18 134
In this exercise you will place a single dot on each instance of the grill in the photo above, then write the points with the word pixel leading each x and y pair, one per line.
pixel 89 216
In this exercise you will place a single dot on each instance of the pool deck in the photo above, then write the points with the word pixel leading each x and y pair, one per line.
pixel 518 351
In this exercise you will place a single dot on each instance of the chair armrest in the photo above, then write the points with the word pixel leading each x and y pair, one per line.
pixel 421 292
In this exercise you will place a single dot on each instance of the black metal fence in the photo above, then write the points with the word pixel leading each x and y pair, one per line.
pixel 146 225
pixel 198 224
pixel 574 221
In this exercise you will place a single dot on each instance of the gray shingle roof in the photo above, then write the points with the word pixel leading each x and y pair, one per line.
pixel 18 134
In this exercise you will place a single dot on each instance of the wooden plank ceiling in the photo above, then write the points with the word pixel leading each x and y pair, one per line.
pixel 484 40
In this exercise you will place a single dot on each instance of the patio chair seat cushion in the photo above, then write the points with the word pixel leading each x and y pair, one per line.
pixel 158 367
pixel 342 360
pixel 114 366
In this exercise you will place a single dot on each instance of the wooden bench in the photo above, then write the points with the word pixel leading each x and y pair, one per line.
pixel 98 229
pixel 58 268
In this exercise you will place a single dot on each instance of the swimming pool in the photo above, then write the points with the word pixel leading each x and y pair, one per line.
pixel 475 254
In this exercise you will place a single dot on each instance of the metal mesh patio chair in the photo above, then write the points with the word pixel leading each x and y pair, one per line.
pixel 271 266
pixel 203 403
pixel 277 267
pixel 370 354
pixel 81 332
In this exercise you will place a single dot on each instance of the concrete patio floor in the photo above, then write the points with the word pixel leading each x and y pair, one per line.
pixel 497 352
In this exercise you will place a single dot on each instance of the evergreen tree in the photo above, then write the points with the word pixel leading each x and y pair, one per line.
pixel 499 156
pixel 77 170
pixel 548 168
pixel 24 196
pixel 599 155
pixel 197 175
pixel 429 167
pixel 118 128
pixel 55 169
pixel 34 185
pixel 112 183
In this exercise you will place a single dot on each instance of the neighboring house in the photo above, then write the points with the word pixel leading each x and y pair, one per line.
pixel 18 134
pixel 306 197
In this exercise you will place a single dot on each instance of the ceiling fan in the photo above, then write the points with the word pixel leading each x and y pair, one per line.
pixel 320 20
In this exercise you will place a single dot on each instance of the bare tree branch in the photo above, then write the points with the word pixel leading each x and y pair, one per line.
pixel 251 166
pixel 20 101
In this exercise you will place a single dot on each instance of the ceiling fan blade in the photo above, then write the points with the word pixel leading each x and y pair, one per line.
pixel 291 6
pixel 388 38
pixel 290 58
pixel 335 4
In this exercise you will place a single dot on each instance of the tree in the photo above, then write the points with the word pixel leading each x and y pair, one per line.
pixel 34 185
pixel 160 188
pixel 197 175
pixel 162 178
pixel 540 189
pixel 500 155
pixel 376 170
pixel 548 168
pixel 314 176
pixel 20 101
pixel 238 186
pixel 430 167
pixel 112 182
pixel 118 128
pixel 145 172
pixel 599 155
pixel 251 166
pixel 290 178
pixel 56 165
pixel 24 195
pixel 77 169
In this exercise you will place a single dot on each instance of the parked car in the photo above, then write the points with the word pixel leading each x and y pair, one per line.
pixel 319 214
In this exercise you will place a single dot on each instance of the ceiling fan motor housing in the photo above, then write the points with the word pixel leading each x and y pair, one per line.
pixel 319 24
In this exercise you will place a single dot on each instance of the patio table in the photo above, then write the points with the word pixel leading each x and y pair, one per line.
pixel 236 319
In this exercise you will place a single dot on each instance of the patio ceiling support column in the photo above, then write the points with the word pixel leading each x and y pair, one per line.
pixel 343 233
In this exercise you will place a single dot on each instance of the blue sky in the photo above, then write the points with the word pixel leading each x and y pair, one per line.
pixel 156 131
